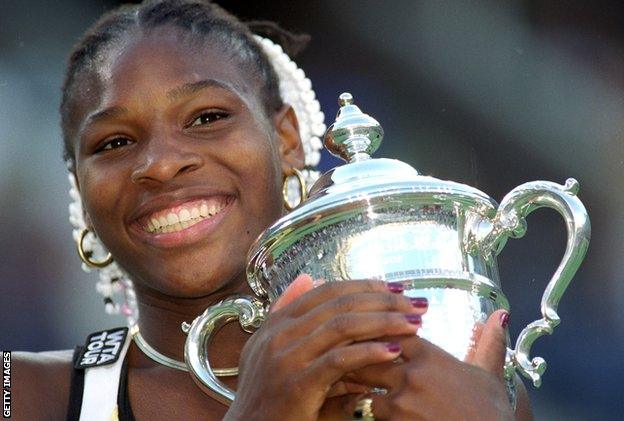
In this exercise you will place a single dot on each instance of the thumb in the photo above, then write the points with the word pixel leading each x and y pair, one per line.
pixel 302 284
pixel 492 345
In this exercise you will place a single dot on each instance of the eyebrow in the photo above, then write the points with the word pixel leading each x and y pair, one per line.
pixel 174 94
pixel 109 112
pixel 194 87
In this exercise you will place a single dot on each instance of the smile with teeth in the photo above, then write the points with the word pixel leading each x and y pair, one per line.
pixel 183 216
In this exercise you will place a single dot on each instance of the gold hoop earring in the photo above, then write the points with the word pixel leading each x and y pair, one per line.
pixel 303 192
pixel 86 258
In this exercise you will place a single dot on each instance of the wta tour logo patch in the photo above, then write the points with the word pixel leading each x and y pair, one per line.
pixel 102 348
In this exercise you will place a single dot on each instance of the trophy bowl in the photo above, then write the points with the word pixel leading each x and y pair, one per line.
pixel 381 219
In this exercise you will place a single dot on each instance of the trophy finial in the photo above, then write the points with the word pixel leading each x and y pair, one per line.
pixel 345 98
pixel 354 136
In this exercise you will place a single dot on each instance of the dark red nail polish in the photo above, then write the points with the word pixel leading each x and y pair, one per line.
pixel 414 319
pixel 393 347
pixel 504 319
pixel 419 302
pixel 395 287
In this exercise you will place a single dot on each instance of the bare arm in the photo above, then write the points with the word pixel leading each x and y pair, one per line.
pixel 40 385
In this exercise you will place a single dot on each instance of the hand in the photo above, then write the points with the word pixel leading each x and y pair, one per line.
pixel 432 384
pixel 291 365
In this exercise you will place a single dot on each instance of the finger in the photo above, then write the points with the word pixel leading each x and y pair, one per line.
pixel 387 375
pixel 361 303
pixel 329 290
pixel 336 363
pixel 415 350
pixel 414 347
pixel 355 327
pixel 492 346
pixel 302 284
pixel 476 336
pixel 345 388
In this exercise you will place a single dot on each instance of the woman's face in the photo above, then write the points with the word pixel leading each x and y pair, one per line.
pixel 178 165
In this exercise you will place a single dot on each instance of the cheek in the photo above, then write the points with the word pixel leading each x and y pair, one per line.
pixel 100 191
pixel 261 186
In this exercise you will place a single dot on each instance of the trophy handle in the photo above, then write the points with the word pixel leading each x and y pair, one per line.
pixel 510 222
pixel 250 313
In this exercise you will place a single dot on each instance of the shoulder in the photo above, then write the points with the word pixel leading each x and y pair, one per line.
pixel 40 384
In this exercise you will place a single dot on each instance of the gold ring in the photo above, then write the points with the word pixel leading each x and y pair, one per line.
pixel 364 410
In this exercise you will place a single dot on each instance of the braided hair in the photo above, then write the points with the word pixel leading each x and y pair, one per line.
pixel 198 19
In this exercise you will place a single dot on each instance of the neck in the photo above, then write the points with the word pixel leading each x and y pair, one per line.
pixel 161 317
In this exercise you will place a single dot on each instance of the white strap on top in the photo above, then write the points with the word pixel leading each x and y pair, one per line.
pixel 101 385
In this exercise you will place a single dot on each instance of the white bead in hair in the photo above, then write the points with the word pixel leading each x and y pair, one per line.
pixel 296 90
pixel 113 280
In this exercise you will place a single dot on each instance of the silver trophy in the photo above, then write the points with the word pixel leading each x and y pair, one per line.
pixel 380 219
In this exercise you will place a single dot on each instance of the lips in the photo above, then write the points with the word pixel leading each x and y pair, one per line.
pixel 183 216
pixel 180 219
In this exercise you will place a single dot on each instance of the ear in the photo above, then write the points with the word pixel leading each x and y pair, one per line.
pixel 289 142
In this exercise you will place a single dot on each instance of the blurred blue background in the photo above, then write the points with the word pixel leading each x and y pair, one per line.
pixel 492 94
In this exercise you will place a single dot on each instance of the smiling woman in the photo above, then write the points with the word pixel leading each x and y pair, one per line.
pixel 178 139
pixel 179 135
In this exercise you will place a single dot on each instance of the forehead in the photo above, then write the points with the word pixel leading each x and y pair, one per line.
pixel 165 55
pixel 145 65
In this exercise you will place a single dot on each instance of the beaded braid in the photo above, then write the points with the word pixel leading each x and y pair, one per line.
pixel 295 89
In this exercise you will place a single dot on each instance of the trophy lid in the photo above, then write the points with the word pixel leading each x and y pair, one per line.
pixel 353 188
pixel 354 137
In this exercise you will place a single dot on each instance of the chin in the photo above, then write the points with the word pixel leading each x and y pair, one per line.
pixel 184 281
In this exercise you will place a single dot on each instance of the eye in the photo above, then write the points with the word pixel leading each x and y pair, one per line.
pixel 208 117
pixel 114 143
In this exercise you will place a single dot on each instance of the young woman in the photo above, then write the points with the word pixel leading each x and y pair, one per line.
pixel 179 142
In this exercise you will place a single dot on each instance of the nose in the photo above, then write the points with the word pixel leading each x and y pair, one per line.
pixel 164 159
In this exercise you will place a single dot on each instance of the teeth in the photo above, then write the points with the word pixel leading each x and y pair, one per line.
pixel 184 215
pixel 172 218
pixel 203 210
pixel 185 218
